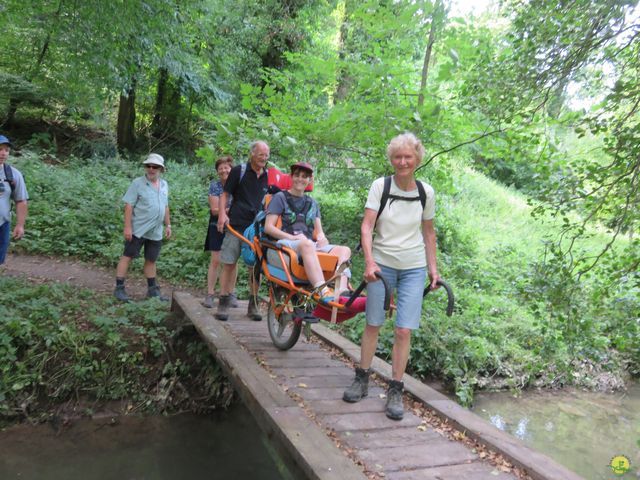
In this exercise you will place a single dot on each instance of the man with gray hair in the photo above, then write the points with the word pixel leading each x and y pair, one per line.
pixel 146 208
pixel 248 190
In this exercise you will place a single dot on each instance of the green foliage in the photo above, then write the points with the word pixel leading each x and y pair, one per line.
pixel 59 343
pixel 76 210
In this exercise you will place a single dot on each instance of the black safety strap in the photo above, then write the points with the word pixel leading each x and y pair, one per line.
pixel 305 208
pixel 8 175
pixel 386 195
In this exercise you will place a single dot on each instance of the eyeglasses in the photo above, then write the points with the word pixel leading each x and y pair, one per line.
pixel 153 167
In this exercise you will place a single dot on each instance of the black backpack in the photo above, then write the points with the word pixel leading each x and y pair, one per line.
pixel 386 195
pixel 8 175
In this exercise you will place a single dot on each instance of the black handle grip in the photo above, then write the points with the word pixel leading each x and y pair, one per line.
pixel 358 291
pixel 450 297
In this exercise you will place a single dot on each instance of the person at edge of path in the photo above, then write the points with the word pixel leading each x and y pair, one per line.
pixel 16 191
pixel 146 208
pixel 213 242
pixel 298 233
pixel 403 249
pixel 248 193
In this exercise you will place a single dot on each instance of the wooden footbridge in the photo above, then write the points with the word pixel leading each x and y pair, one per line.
pixel 296 398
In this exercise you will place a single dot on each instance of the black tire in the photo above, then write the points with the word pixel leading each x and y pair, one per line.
pixel 284 332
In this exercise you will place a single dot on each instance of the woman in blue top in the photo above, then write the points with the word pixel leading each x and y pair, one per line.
pixel 214 238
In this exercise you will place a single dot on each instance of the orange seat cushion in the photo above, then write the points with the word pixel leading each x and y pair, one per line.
pixel 328 262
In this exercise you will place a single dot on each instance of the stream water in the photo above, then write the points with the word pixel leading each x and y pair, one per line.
pixel 225 445
pixel 582 430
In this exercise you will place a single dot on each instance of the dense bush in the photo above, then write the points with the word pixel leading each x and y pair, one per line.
pixel 59 343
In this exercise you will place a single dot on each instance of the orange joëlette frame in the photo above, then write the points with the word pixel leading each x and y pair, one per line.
pixel 289 283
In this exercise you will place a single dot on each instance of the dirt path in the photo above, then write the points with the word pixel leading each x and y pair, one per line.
pixel 81 274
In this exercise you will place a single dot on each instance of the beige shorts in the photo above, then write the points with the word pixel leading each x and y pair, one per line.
pixel 230 249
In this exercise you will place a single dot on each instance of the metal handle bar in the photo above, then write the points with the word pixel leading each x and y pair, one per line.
pixel 450 297
pixel 358 291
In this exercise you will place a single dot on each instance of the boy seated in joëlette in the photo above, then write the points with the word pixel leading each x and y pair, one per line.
pixel 301 228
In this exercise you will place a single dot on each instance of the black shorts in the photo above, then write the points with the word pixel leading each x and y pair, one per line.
pixel 151 248
pixel 213 242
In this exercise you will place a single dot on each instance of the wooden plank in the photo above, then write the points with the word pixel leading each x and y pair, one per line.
pixel 301 363
pixel 467 471
pixel 410 457
pixel 293 354
pixel 268 346
pixel 339 406
pixel 294 372
pixel 366 421
pixel 310 394
pixel 340 381
pixel 372 439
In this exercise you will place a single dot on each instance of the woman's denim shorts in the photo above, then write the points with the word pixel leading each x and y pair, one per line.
pixel 409 285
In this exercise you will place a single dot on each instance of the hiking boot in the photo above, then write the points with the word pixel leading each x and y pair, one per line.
pixel 222 313
pixel 120 293
pixel 233 300
pixel 253 312
pixel 359 388
pixel 395 408
pixel 209 300
pixel 154 292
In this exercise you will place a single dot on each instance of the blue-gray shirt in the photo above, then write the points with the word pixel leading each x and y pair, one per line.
pixel 19 193
pixel 149 207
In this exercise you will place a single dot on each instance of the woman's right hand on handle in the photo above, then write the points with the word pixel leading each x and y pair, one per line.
pixel 370 271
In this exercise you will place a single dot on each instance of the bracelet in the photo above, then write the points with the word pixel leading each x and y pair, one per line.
pixel 168 225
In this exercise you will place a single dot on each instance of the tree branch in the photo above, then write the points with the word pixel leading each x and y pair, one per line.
pixel 486 134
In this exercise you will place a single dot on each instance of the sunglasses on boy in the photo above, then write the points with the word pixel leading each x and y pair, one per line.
pixel 152 167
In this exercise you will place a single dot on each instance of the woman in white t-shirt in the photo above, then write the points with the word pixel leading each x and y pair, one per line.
pixel 403 252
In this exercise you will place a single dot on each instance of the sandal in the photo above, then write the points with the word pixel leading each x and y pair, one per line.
pixel 326 295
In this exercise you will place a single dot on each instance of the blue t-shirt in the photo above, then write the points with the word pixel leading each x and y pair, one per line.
pixel 149 206
pixel 19 193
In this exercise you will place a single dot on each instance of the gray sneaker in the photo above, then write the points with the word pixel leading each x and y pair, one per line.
pixel 120 293
pixel 233 300
pixel 154 292
pixel 222 313
pixel 359 388
pixel 395 408
pixel 209 300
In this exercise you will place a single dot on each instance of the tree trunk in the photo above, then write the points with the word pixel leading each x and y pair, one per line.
pixel 157 125
pixel 435 20
pixel 127 119
pixel 11 113
pixel 344 79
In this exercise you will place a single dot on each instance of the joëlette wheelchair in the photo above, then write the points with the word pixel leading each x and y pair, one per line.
pixel 292 300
